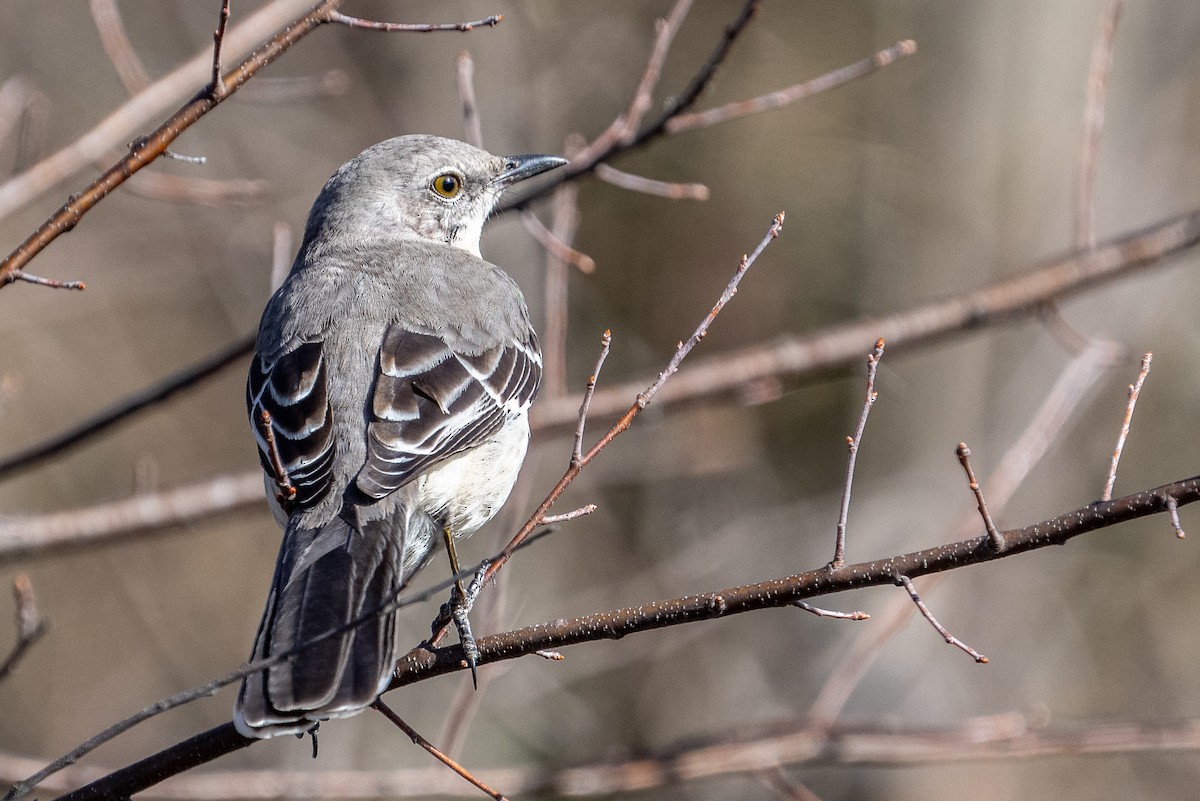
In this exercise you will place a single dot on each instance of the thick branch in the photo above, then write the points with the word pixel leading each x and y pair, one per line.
pixel 422 664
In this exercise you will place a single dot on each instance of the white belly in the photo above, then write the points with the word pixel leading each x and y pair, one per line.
pixel 467 490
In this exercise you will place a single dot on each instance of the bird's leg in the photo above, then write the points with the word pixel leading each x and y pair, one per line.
pixel 461 601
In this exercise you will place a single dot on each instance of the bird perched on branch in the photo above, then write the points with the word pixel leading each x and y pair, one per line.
pixel 389 394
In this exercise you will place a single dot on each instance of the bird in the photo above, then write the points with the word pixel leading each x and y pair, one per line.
pixel 389 393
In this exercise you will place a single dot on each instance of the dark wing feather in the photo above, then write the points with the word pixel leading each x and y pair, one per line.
pixel 431 402
pixel 293 390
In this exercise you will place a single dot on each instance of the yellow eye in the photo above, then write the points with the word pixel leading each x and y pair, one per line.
pixel 447 185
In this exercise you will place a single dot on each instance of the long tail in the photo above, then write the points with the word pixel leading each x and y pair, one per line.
pixel 324 579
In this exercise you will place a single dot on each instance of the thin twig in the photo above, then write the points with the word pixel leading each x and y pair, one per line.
pixel 30 625
pixel 559 249
pixel 413 27
pixel 171 155
pixel 145 398
pixel 852 443
pixel 287 490
pixel 444 758
pixel 216 86
pixel 830 80
pixel 465 73
pixel 1099 70
pixel 605 346
pixel 1173 509
pixel 649 186
pixel 964 458
pixel 906 583
pixel 819 612
pixel 1043 430
pixel 582 511
pixel 53 283
pixel 1134 390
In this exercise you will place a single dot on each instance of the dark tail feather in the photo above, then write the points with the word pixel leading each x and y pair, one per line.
pixel 324 579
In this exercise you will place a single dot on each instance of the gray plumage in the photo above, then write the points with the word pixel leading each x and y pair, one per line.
pixel 397 367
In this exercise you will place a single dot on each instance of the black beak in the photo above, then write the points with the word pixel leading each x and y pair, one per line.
pixel 518 168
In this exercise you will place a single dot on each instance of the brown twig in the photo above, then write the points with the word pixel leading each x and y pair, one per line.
pixel 557 247
pixel 559 254
pixel 906 583
pixel 30 625
pixel 823 83
pixel 964 458
pixel 465 74
pixel 413 27
pixel 216 87
pixel 1133 390
pixel 437 754
pixel 290 89
pixel 852 443
pixel 649 186
pixel 286 489
pixel 819 612
pixel 1099 70
pixel 605 346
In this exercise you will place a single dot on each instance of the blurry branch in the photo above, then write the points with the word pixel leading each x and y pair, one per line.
pixel 139 513
pixel 146 149
pixel 23 112
pixel 123 123
pixel 30 626
pixel 424 663
pixel 465 75
pixel 802 357
pixel 773 100
pixel 791 357
pixel 994 737
pixel 198 191
pixel 1099 69
pixel 117 46
pixel 127 407
pixel 649 186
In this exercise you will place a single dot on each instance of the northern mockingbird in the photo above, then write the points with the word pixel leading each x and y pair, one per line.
pixel 395 368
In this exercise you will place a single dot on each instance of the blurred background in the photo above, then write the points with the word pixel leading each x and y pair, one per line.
pixel 938 174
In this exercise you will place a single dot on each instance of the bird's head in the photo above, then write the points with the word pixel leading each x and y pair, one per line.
pixel 437 189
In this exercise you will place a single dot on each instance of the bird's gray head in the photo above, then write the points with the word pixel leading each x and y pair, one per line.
pixel 425 186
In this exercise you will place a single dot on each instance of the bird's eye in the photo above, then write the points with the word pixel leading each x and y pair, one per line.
pixel 447 185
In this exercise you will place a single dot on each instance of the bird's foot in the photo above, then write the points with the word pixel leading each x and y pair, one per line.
pixel 457 610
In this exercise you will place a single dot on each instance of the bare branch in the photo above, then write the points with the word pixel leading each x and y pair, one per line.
pixel 1099 69
pixel 906 583
pixel 823 83
pixel 605 345
pixel 852 443
pixel 442 757
pixel 216 87
pixel 465 74
pixel 582 511
pixel 30 625
pixel 1134 390
pixel 819 612
pixel 964 458
pixel 649 186
pixel 117 46
pixel 413 27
